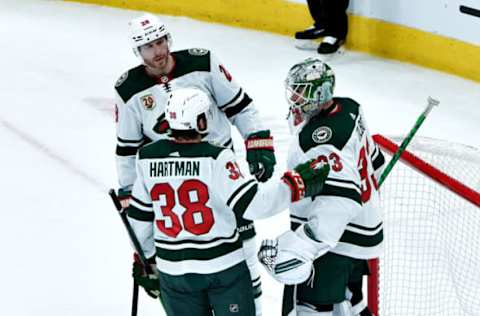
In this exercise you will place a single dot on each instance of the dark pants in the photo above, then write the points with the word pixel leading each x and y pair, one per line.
pixel 333 273
pixel 330 15
pixel 227 293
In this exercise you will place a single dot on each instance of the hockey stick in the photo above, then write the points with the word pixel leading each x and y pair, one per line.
pixel 373 263
pixel 431 103
pixel 136 246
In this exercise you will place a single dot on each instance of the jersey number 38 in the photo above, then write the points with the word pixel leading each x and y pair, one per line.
pixel 192 196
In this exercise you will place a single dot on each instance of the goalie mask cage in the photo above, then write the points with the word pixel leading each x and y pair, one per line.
pixel 431 262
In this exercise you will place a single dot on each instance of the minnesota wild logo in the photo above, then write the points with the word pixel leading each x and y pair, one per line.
pixel 322 135
pixel 197 51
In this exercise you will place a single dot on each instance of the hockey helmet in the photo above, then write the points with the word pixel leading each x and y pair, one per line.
pixel 145 29
pixel 309 84
pixel 186 107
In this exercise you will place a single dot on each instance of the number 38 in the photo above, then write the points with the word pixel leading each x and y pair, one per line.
pixel 197 217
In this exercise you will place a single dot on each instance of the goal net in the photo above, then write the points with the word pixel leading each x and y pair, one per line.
pixel 431 262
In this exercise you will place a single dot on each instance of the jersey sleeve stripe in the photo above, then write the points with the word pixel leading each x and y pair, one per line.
pixel 298 218
pixel 140 215
pixel 361 239
pixel 237 191
pixel 369 231
pixel 130 141
pixel 235 99
pixel 149 205
pixel 227 143
pixel 348 193
pixel 243 202
pixel 126 151
pixel 232 111
pixel 343 183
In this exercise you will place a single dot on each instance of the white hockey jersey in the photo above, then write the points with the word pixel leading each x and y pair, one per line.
pixel 141 104
pixel 347 215
pixel 186 201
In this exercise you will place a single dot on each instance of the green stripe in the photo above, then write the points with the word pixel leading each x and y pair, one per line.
pixel 362 240
pixel 242 204
pixel 126 151
pixel 237 191
pixel 198 254
pixel 343 192
pixel 140 215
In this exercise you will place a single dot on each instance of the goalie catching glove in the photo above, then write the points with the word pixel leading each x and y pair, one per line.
pixel 307 179
pixel 289 258
pixel 260 155
pixel 149 282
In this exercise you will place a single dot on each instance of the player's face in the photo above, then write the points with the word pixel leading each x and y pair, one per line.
pixel 155 54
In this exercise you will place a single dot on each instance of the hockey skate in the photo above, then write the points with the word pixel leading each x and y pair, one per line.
pixel 309 39
pixel 330 45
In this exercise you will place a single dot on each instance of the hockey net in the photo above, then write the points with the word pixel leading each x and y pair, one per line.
pixel 431 262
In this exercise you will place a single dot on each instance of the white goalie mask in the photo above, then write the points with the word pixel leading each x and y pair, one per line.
pixel 186 107
pixel 309 85
pixel 145 29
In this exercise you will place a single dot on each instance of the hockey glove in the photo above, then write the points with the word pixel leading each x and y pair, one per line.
pixel 149 282
pixel 124 195
pixel 307 179
pixel 260 155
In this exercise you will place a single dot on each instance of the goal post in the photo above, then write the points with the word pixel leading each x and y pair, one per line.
pixel 431 203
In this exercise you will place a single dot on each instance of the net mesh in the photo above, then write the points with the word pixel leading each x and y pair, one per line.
pixel 431 263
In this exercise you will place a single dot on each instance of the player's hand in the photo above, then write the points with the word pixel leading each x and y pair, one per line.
pixel 260 155
pixel 149 282
pixel 307 179
pixel 124 195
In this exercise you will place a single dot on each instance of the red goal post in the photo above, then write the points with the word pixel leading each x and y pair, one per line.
pixel 431 262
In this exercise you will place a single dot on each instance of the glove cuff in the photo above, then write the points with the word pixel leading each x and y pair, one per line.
pixel 260 140
pixel 296 185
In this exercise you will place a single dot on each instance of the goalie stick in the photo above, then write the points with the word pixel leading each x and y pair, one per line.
pixel 373 263
pixel 136 246
pixel 431 103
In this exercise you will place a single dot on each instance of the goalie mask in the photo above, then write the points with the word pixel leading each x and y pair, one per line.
pixel 188 109
pixel 145 29
pixel 309 85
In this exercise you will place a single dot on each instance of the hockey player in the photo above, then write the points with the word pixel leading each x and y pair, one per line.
pixel 185 202
pixel 324 256
pixel 142 93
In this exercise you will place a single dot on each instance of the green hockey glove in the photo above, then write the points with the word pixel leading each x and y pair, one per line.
pixel 307 179
pixel 149 282
pixel 260 155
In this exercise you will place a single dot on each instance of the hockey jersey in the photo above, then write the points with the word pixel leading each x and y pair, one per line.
pixel 141 104
pixel 185 203
pixel 346 216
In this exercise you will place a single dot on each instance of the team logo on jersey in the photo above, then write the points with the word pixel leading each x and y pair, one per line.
pixel 148 101
pixel 121 79
pixel 322 135
pixel 197 51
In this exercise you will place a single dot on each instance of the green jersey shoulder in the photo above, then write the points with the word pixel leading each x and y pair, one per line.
pixel 187 61
pixel 167 148
pixel 333 128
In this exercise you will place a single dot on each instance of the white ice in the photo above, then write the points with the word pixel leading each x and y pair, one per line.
pixel 64 250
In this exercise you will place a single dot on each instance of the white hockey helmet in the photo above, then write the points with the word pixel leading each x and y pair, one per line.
pixel 145 29
pixel 186 107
